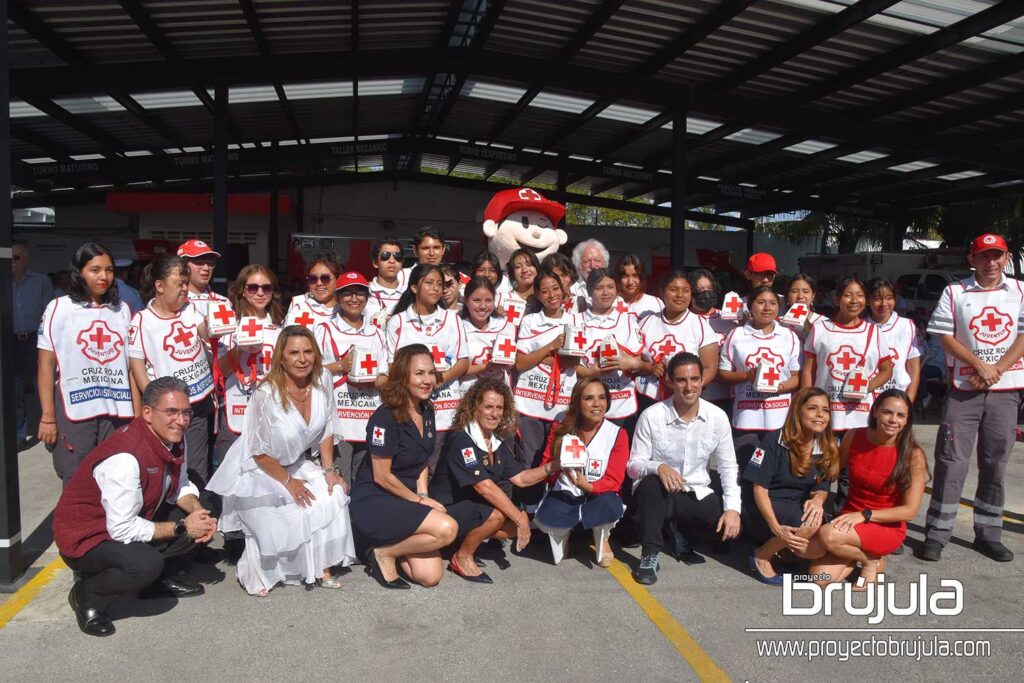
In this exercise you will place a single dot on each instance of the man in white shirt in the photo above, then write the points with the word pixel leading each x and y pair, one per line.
pixel 673 445
pixel 130 519
pixel 980 324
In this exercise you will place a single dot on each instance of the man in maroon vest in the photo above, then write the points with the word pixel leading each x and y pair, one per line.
pixel 130 519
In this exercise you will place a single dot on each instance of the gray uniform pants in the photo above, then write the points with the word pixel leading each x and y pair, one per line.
pixel 76 439
pixel 991 417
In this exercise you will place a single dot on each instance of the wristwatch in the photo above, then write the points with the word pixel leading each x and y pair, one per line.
pixel 866 514
pixel 179 528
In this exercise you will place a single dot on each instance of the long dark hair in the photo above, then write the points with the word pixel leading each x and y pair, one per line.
pixel 510 270
pixel 160 268
pixel 630 260
pixel 488 257
pixel 794 437
pixel 559 260
pixel 395 392
pixel 78 291
pixel 420 271
pixel 475 284
pixel 570 423
pixel 902 471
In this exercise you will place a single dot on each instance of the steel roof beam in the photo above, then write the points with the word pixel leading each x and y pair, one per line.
pixel 252 19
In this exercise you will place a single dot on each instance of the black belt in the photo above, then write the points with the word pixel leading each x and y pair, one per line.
pixel 25 336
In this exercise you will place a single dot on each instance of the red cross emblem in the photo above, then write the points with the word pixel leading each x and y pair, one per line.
pixel 576 449
pixel 512 313
pixel 798 311
pixel 991 326
pixel 507 347
pixel 857 382
pixel 609 351
pixel 579 340
pixel 306 320
pixel 482 358
pixel 251 327
pixel 765 355
pixel 368 365
pixel 841 360
pixel 99 343
pixel 621 306
pixel 224 315
pixel 530 195
pixel 772 376
pixel 182 342
pixel 734 305
pixel 437 353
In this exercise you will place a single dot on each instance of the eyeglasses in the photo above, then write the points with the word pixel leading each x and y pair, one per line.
pixel 174 413
pixel 350 292
pixel 253 289
pixel 388 255
pixel 322 279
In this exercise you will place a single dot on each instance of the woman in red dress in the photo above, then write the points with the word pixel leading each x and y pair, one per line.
pixel 888 471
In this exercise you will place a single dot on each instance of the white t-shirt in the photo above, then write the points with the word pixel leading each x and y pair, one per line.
pixel 901 336
pixel 745 348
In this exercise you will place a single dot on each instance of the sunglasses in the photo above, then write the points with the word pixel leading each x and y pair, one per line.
pixel 322 279
pixel 388 255
pixel 253 289
pixel 16 257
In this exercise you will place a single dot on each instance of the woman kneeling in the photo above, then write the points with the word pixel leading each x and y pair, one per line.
pixel 476 472
pixel 790 473
pixel 888 471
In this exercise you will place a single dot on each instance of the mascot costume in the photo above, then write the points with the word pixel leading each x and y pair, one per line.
pixel 521 218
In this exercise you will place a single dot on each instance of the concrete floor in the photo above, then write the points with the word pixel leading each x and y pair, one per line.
pixel 537 622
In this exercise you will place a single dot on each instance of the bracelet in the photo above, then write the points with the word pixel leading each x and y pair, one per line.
pixel 47 422
pixel 422 494
pixel 285 484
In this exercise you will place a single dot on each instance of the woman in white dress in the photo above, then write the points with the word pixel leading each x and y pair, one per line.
pixel 294 515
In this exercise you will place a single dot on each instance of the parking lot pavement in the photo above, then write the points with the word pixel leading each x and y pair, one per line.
pixel 574 621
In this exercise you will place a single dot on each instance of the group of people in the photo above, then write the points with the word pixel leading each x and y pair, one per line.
pixel 423 411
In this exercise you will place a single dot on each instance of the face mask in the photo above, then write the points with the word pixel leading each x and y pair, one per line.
pixel 706 300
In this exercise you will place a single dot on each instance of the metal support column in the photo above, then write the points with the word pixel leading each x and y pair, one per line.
pixel 11 558
pixel 677 235
pixel 749 227
pixel 274 233
pixel 226 267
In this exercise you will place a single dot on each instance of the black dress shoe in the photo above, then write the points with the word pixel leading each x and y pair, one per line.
pixel 171 587
pixel 993 550
pixel 373 569
pixel 930 551
pixel 92 621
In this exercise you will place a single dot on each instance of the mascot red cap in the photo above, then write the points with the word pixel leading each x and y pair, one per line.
pixel 521 218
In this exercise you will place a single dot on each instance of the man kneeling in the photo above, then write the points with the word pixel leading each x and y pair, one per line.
pixel 116 522
pixel 672 447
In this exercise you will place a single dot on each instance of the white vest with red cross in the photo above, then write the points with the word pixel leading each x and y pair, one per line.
pixel 662 340
pixel 441 333
pixel 252 365
pixel 172 346
pixel 838 350
pixel 598 453
pixel 987 322
pixel 481 344
pixel 355 402
pixel 718 390
pixel 308 312
pixel 901 336
pixel 90 345
pixel 621 327
pixel 537 395
pixel 744 349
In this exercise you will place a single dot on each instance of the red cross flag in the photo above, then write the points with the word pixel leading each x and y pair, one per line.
pixel 732 306
pixel 575 341
pixel 573 453
pixel 249 331
pixel 768 378
pixel 504 351
pixel 855 388
pixel 220 319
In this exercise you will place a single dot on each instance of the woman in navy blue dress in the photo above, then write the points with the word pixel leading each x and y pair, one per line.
pixel 390 508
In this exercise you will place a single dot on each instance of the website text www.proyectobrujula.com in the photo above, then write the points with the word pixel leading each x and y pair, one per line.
pixel 877 603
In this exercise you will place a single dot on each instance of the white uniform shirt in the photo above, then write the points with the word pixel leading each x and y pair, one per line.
pixel 718 390
pixel 307 311
pixel 383 298
pixel 480 344
pixel 662 437
pixel 986 321
pixel 121 496
pixel 662 340
pixel 901 336
pixel 356 403
pixel 201 300
pixel 172 346
pixel 535 397
pixel 620 327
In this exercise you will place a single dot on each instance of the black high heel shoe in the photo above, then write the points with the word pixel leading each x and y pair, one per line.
pixel 373 569
pixel 482 577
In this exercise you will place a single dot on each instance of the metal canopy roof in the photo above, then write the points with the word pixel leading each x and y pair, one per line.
pixel 871 106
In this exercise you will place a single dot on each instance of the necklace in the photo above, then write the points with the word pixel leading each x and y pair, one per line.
pixel 305 394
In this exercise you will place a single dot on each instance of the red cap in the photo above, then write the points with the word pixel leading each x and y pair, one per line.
pixel 351 279
pixel 195 249
pixel 522 199
pixel 761 263
pixel 988 241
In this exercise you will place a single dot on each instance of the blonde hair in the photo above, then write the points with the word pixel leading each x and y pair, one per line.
pixel 467 407
pixel 276 376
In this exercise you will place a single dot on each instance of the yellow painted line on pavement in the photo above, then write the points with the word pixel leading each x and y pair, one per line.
pixel 24 595
pixel 699 660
